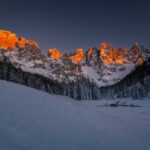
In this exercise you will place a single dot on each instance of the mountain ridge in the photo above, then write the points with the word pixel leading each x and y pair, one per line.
pixel 79 75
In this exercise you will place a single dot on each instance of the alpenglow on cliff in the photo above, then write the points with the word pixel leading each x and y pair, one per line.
pixel 97 73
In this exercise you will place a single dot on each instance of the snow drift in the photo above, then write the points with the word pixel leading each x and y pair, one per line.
pixel 30 119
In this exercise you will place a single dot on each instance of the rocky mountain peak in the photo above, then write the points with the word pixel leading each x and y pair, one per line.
pixel 78 55
pixel 54 53
pixel 9 41
pixel 92 56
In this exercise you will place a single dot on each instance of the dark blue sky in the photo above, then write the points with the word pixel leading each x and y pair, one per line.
pixel 67 25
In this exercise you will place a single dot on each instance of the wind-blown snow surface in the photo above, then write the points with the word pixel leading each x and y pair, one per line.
pixel 34 120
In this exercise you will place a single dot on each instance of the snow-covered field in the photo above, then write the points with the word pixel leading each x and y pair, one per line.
pixel 34 120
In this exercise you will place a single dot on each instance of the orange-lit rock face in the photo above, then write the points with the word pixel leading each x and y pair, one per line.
pixel 90 51
pixel 78 56
pixel 21 41
pixel 54 53
pixel 140 61
pixel 110 55
pixel 32 43
pixel 8 40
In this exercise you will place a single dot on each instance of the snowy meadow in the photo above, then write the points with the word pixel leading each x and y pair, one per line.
pixel 31 119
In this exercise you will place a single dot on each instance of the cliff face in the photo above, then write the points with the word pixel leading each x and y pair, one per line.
pixel 9 41
pixel 95 74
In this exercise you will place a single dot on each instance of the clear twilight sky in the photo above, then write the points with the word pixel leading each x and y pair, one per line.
pixel 67 24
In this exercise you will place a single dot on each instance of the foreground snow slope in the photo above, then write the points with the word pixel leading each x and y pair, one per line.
pixel 34 120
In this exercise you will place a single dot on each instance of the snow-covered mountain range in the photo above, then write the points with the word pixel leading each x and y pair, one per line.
pixel 95 74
